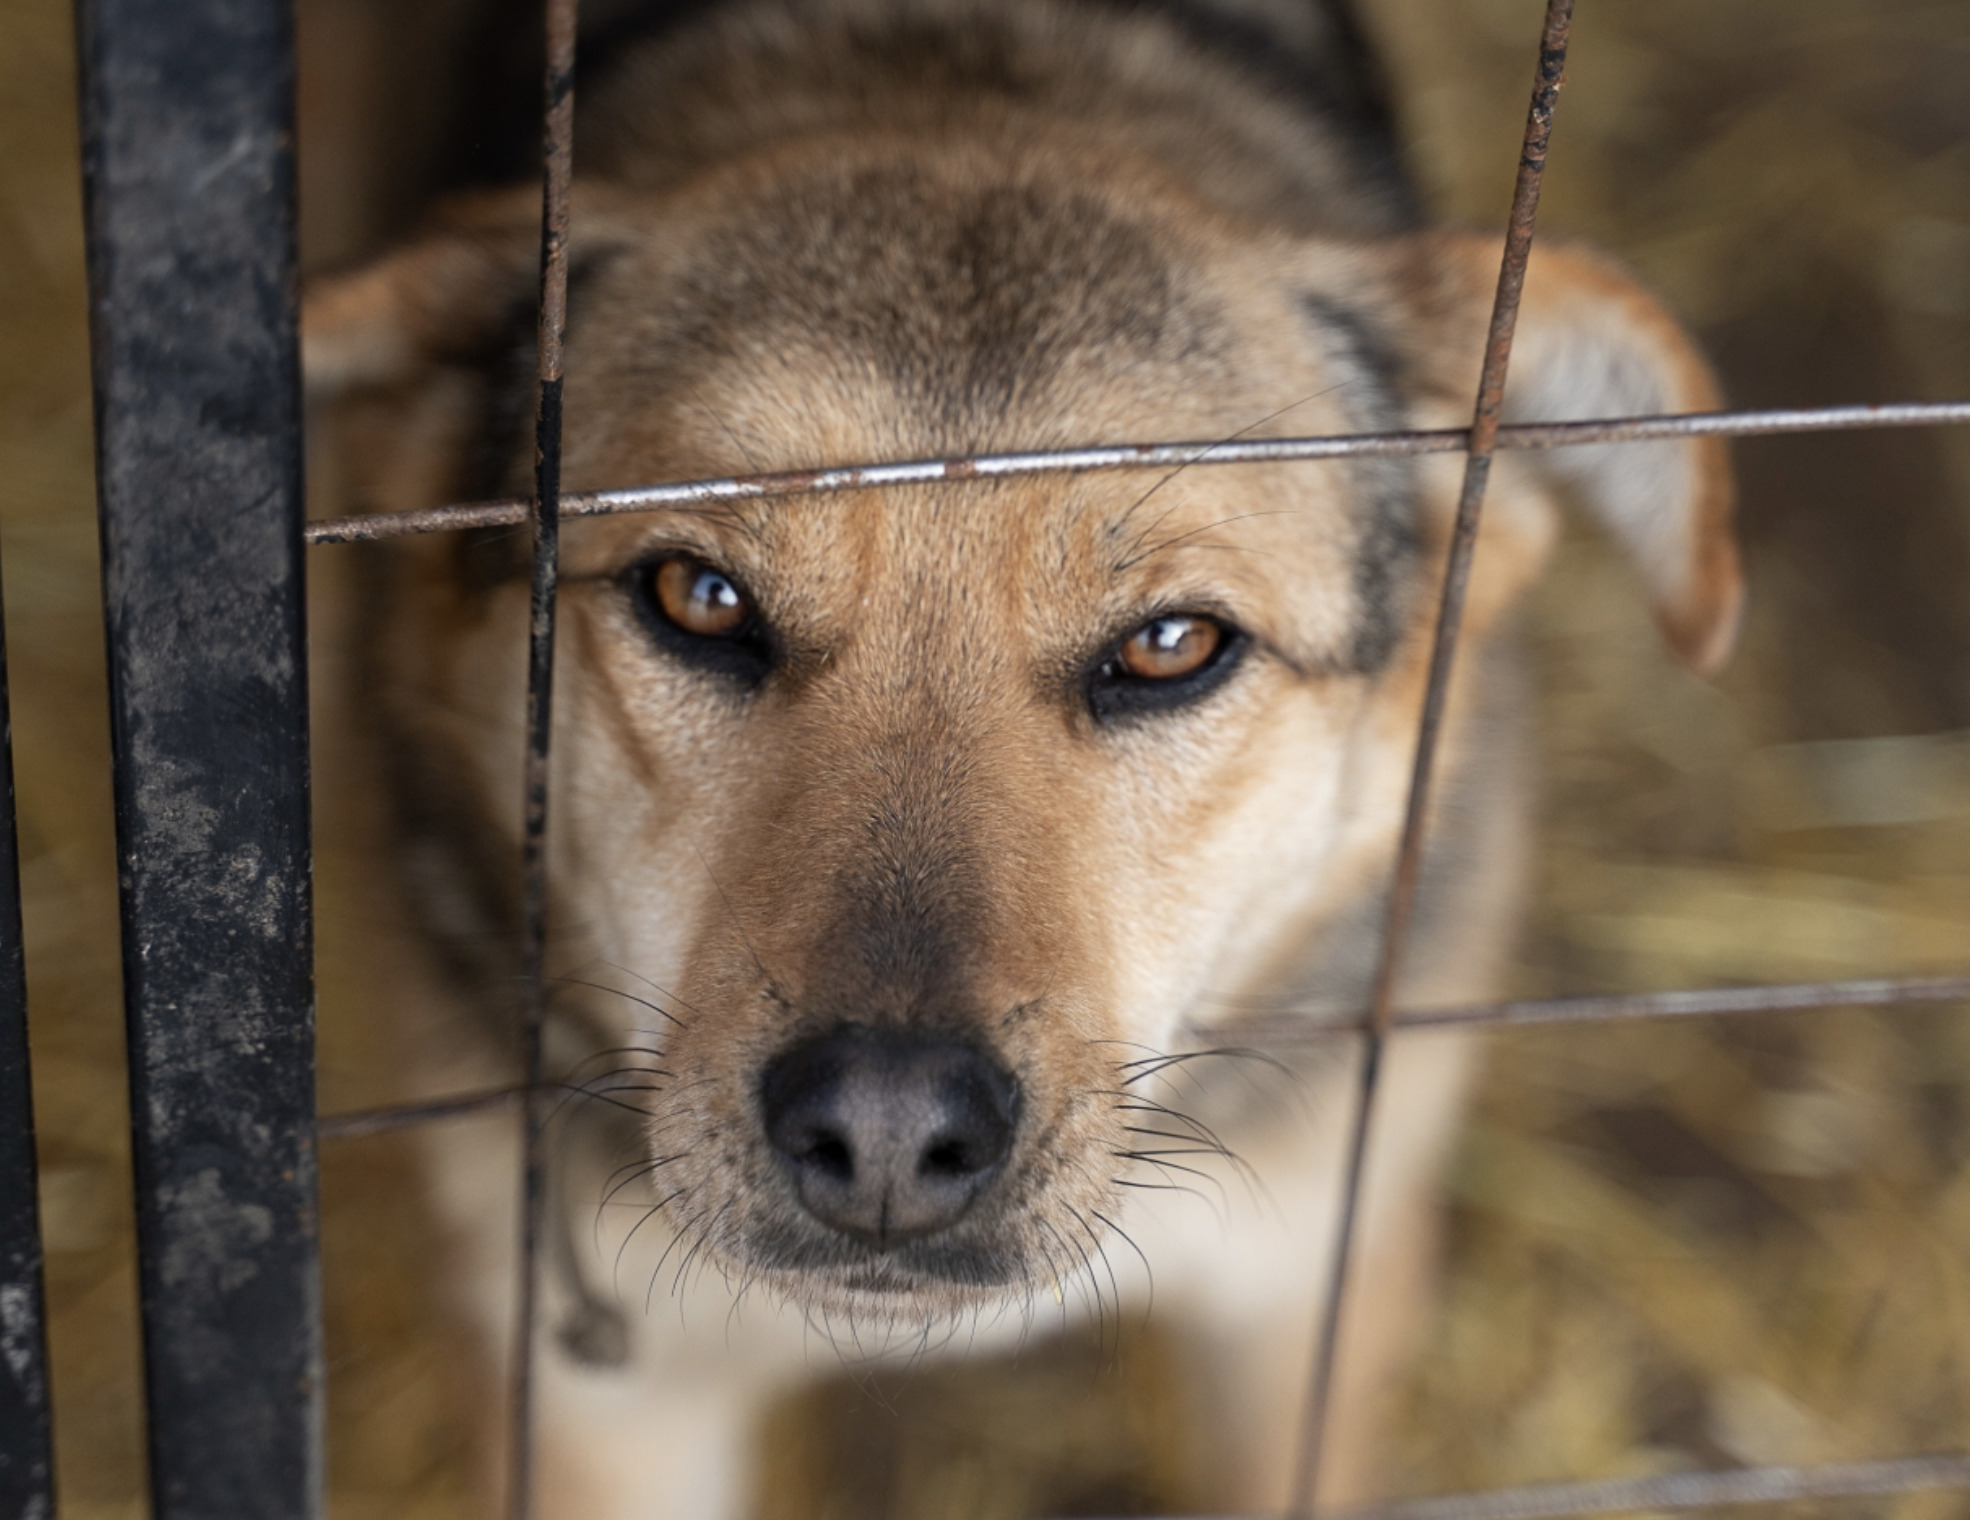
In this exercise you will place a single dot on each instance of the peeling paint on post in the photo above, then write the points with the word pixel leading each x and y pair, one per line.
pixel 26 1461
pixel 188 160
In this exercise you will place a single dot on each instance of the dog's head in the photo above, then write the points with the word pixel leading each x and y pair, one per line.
pixel 927 808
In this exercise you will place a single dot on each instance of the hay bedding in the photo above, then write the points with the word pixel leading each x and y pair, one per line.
pixel 1687 1245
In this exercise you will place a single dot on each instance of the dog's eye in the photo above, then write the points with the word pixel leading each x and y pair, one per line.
pixel 699 599
pixel 1170 648
pixel 703 616
pixel 1167 662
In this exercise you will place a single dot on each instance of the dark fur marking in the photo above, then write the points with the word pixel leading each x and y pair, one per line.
pixel 1341 84
pixel 1388 538
pixel 460 883
pixel 956 297
pixel 499 457
pixel 1336 81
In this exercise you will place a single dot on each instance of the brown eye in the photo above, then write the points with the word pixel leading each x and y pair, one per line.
pixel 700 600
pixel 1170 648
pixel 1170 662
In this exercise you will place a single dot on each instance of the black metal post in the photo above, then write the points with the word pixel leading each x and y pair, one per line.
pixel 187 112
pixel 26 1462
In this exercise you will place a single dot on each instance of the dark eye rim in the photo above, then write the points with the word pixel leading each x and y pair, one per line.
pixel 745 655
pixel 1114 693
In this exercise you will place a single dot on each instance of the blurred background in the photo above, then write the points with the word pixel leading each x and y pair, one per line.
pixel 1687 1245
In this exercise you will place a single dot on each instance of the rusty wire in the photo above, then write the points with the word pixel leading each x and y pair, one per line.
pixel 1291 1031
pixel 557 178
pixel 1479 449
pixel 1286 1031
pixel 360 1122
pixel 1676 1491
pixel 512 511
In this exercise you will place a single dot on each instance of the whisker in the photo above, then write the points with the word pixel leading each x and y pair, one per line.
pixel 1204 453
pixel 1055 1274
pixel 572 1090
pixel 657 987
pixel 1221 1210
pixel 636 1174
pixel 1171 1135
pixel 747 1277
pixel 1139 1104
pixel 1090 1284
pixel 697 1246
pixel 616 1050
pixel 1171 542
pixel 656 1273
pixel 1114 1283
pixel 628 1108
pixel 1157 1064
pixel 1148 1271
pixel 615 1269
pixel 1168 1187
pixel 637 1162
pixel 578 981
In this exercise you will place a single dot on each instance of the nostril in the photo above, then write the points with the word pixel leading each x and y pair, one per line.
pixel 975 1145
pixel 948 1158
pixel 830 1153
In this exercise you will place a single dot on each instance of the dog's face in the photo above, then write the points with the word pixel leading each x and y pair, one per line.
pixel 927 809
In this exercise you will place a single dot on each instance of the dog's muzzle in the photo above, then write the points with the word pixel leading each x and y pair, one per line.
pixel 888 1136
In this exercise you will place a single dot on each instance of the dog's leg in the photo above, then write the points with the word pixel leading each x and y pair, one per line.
pixel 1251 1306
pixel 663 1433
pixel 1254 1374
pixel 645 1442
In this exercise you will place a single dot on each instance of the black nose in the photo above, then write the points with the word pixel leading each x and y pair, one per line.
pixel 888 1136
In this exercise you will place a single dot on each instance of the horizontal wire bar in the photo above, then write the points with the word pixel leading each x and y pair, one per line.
pixel 1289 1031
pixel 512 511
pixel 375 1121
pixel 1673 1491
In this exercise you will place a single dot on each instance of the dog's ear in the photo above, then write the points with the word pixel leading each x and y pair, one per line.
pixel 447 298
pixel 1590 343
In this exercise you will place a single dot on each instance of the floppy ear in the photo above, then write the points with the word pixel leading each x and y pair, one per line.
pixel 448 298
pixel 1592 343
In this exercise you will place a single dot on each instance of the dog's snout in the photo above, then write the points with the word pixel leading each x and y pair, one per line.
pixel 888 1137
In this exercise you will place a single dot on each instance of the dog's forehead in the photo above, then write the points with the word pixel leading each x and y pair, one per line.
pixel 901 314
pixel 961 281
pixel 939 305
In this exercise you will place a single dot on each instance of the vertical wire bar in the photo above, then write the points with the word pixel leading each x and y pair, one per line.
pixel 558 126
pixel 1402 896
pixel 188 119
pixel 27 1480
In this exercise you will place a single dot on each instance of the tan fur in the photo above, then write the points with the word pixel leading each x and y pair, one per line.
pixel 916 821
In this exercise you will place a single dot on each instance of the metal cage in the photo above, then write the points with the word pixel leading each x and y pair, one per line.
pixel 188 153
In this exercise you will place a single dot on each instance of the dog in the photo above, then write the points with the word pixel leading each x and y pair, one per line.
pixel 908 844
